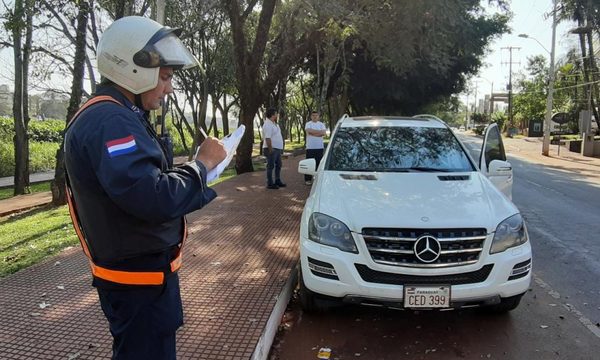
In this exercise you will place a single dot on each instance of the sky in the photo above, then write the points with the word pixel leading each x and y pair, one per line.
pixel 531 17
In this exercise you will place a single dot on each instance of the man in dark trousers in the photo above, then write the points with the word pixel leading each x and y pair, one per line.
pixel 273 148
pixel 127 201
pixel 315 130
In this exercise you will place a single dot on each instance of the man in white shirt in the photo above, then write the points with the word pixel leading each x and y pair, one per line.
pixel 272 148
pixel 315 130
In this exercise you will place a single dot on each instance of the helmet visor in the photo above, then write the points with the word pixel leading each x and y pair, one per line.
pixel 168 51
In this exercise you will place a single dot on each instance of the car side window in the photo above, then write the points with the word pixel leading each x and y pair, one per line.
pixel 494 148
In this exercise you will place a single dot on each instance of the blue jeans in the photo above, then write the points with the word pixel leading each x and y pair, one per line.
pixel 273 162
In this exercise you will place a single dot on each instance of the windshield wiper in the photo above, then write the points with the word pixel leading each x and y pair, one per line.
pixel 375 170
pixel 427 169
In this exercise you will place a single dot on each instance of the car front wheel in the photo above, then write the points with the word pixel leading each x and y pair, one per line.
pixel 506 305
pixel 311 302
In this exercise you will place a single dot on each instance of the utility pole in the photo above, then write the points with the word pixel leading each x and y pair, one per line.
pixel 510 62
pixel 491 99
pixel 467 114
pixel 549 98
pixel 476 109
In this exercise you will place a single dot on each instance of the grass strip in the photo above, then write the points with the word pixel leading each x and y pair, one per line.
pixel 34 188
pixel 28 238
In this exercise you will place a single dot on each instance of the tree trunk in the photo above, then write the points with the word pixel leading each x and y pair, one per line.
pixel 248 107
pixel 248 73
pixel 123 8
pixel 253 88
pixel 225 115
pixel 58 184
pixel 214 120
pixel 20 140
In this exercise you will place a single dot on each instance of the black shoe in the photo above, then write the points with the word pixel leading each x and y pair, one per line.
pixel 273 186
pixel 280 184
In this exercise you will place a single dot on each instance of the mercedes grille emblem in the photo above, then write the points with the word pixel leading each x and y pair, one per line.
pixel 427 249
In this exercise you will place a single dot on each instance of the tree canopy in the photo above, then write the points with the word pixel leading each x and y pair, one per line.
pixel 356 56
pixel 418 52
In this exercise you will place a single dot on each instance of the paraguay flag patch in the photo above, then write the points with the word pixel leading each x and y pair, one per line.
pixel 121 146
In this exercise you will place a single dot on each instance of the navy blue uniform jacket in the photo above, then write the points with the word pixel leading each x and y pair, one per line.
pixel 131 205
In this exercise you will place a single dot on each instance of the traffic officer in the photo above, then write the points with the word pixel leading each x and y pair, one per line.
pixel 127 203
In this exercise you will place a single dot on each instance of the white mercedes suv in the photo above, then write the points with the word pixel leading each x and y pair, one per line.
pixel 400 215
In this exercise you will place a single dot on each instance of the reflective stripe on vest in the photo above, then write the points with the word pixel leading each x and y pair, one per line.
pixel 116 276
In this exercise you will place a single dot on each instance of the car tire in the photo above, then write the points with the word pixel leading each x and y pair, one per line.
pixel 505 305
pixel 311 302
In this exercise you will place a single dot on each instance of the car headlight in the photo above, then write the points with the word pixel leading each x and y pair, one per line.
pixel 510 233
pixel 330 231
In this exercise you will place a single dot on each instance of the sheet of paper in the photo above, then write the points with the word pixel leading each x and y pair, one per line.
pixel 231 143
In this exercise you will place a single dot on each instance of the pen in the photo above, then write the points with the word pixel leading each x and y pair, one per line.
pixel 203 132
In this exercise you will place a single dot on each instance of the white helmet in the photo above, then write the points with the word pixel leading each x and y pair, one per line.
pixel 133 48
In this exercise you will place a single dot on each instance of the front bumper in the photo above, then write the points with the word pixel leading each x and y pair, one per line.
pixel 357 278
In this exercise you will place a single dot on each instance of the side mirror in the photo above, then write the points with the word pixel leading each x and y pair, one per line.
pixel 500 168
pixel 307 167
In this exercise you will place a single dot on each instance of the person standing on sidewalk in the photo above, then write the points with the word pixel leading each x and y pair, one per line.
pixel 315 130
pixel 126 200
pixel 272 148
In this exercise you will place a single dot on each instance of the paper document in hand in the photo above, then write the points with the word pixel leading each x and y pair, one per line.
pixel 231 143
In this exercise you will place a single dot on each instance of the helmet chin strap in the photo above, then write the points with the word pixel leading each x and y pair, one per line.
pixel 138 101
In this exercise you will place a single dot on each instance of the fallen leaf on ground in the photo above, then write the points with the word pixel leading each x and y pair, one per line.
pixel 43 305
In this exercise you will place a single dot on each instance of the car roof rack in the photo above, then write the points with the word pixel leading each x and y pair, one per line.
pixel 387 117
pixel 429 116
pixel 345 116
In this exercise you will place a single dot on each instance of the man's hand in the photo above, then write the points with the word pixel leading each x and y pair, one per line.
pixel 211 152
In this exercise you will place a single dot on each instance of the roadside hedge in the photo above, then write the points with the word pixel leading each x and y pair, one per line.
pixel 42 157
pixel 44 140
pixel 40 131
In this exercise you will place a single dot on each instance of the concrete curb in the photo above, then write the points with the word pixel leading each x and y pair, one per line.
pixel 263 347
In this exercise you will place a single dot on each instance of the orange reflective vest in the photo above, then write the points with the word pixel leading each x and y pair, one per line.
pixel 113 275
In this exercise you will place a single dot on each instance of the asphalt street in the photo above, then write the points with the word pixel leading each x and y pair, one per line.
pixel 561 210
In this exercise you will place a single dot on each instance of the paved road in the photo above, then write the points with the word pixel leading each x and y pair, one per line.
pixel 33 178
pixel 562 210
pixel 557 319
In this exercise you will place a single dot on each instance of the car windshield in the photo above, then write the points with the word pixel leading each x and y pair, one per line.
pixel 399 149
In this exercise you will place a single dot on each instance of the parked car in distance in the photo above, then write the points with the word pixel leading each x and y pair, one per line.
pixel 399 215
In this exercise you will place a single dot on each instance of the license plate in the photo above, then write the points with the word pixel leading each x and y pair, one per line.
pixel 431 296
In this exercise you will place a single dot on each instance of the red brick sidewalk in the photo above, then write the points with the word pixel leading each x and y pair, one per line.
pixel 24 202
pixel 531 150
pixel 236 281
